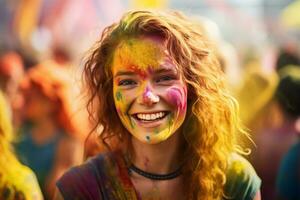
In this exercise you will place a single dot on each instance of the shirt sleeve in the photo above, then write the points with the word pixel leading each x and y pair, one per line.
pixel 242 182
pixel 79 183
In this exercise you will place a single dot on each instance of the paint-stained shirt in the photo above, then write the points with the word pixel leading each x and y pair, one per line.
pixel 102 177
pixel 106 177
pixel 242 182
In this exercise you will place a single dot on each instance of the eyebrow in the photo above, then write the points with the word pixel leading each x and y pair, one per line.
pixel 124 73
pixel 131 73
pixel 160 71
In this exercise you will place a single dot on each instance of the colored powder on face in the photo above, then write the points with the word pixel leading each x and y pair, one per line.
pixel 148 138
pixel 118 96
pixel 119 111
pixel 132 123
pixel 148 96
pixel 138 54
pixel 147 93
pixel 170 120
pixel 177 97
pixel 142 73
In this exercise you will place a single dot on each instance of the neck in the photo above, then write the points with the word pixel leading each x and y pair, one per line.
pixel 159 158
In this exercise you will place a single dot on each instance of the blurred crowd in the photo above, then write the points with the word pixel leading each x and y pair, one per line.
pixel 44 125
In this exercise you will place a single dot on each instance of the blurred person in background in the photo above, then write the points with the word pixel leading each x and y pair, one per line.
pixel 17 182
pixel 11 73
pixel 168 120
pixel 288 96
pixel 48 141
pixel 287 55
pixel 274 133
pixel 255 92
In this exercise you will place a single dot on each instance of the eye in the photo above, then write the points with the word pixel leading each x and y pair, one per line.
pixel 126 82
pixel 165 78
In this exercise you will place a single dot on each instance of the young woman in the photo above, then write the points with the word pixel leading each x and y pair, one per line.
pixel 47 143
pixel 158 94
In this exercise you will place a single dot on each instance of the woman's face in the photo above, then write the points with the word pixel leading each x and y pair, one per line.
pixel 149 93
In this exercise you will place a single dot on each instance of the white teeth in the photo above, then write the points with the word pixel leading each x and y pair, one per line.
pixel 156 115
pixel 150 117
pixel 153 116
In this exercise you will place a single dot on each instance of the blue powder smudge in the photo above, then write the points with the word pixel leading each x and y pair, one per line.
pixel 148 138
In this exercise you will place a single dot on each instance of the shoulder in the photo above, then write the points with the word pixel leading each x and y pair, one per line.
pixel 31 183
pixel 23 181
pixel 86 180
pixel 242 181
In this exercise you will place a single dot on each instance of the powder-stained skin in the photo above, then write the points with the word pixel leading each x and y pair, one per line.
pixel 146 81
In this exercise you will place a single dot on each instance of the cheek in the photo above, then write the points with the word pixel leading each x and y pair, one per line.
pixel 121 102
pixel 118 96
pixel 177 97
pixel 118 99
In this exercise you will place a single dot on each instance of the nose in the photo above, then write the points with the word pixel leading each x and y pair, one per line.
pixel 148 97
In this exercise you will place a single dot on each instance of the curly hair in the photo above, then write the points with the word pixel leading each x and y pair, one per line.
pixel 211 123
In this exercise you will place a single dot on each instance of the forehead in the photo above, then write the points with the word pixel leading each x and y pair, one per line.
pixel 141 54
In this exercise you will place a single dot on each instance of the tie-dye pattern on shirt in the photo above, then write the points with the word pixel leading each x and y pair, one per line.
pixel 102 177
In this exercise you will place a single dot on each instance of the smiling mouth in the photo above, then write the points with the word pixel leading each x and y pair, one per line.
pixel 150 117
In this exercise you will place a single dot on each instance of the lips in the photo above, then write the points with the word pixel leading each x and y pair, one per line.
pixel 150 116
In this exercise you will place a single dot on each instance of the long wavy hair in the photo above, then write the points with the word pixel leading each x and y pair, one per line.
pixel 211 123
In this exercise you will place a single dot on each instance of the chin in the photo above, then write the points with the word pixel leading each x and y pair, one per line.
pixel 152 139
